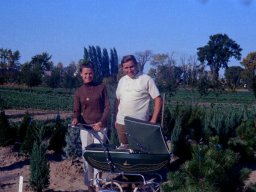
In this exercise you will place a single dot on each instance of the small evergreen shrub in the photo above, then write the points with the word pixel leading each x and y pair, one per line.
pixel 57 139
pixel 7 133
pixel 210 169
pixel 23 127
pixel 27 144
pixel 39 167
pixel 73 146
pixel 245 141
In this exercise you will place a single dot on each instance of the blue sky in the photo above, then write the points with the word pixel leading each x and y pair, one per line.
pixel 63 27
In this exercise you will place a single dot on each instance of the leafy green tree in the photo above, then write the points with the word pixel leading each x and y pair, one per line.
pixel 31 77
pixel 32 72
pixel 4 57
pixel 217 53
pixel 166 79
pixel 54 79
pixel 166 74
pixel 203 85
pixel 39 167
pixel 249 73
pixel 249 62
pixel 70 79
pixel 42 62
pixel 9 65
pixel 233 76
pixel 9 59
pixel 13 60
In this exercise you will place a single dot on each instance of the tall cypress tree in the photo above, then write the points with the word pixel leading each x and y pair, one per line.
pixel 99 63
pixel 86 56
pixel 105 63
pixel 113 61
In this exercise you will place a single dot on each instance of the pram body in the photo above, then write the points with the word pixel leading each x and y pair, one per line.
pixel 142 164
pixel 148 153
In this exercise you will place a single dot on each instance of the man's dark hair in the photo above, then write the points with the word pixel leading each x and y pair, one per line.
pixel 129 58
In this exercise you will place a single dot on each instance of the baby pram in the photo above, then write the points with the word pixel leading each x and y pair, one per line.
pixel 139 168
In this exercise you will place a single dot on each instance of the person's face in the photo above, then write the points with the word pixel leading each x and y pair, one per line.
pixel 130 69
pixel 87 75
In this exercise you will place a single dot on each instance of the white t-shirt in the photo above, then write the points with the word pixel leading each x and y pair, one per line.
pixel 134 95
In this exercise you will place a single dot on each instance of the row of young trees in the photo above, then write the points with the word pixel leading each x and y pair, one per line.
pixel 169 74
pixel 42 71
pixel 215 145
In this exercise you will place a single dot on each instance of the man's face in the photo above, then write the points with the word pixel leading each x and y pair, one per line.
pixel 130 69
pixel 87 75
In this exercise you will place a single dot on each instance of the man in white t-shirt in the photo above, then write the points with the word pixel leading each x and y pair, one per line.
pixel 134 92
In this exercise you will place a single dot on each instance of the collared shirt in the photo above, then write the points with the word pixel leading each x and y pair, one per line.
pixel 134 95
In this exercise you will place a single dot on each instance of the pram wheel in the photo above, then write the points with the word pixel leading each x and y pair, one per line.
pixel 111 187
pixel 146 188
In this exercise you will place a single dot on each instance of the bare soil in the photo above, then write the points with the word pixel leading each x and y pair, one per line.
pixel 16 115
pixel 65 175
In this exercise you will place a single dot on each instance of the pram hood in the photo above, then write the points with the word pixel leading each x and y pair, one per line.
pixel 145 137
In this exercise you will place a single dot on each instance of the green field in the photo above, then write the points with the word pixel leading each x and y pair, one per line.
pixel 61 99
pixel 243 97
pixel 37 98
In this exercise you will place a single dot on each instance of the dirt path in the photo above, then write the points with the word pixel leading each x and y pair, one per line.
pixel 17 114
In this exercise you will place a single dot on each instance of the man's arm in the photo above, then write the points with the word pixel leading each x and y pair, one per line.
pixel 117 101
pixel 157 109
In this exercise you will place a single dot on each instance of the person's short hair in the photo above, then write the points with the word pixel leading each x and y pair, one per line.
pixel 86 64
pixel 129 58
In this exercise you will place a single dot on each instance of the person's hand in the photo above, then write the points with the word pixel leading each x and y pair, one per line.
pixel 75 121
pixel 152 121
pixel 97 126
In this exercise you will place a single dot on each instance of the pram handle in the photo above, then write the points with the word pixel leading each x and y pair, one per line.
pixel 88 127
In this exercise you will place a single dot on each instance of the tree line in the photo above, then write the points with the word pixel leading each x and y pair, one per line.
pixel 200 71
pixel 40 70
